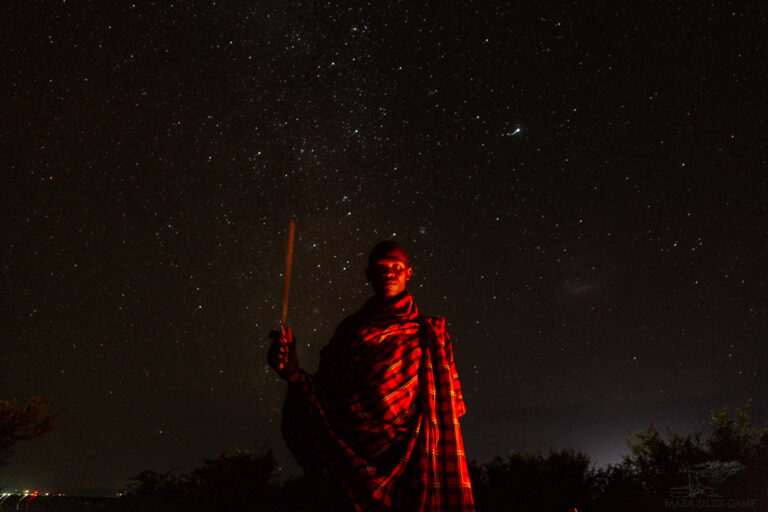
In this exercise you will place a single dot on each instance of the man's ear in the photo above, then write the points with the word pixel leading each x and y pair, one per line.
pixel 408 273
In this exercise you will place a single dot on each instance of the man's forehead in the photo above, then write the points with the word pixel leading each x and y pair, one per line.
pixel 387 249
pixel 392 256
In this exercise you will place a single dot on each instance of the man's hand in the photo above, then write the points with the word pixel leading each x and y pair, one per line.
pixel 282 354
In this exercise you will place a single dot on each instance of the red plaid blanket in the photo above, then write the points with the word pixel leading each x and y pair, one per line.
pixel 381 413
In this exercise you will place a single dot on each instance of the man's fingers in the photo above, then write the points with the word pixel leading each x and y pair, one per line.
pixel 284 334
pixel 282 353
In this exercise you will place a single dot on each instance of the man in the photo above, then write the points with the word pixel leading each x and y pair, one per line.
pixel 380 416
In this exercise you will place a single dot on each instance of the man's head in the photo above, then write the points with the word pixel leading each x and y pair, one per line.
pixel 388 269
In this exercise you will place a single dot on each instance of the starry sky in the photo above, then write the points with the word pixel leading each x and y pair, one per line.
pixel 581 188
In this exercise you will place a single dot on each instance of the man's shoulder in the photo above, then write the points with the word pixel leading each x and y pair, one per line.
pixel 350 323
pixel 354 318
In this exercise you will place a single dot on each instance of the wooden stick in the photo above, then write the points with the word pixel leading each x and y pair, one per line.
pixel 288 262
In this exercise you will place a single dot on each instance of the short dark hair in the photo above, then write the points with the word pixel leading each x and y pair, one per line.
pixel 385 247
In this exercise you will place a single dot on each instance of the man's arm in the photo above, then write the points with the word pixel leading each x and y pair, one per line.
pixel 461 409
pixel 438 326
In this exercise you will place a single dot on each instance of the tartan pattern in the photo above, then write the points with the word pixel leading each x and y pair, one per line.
pixel 381 413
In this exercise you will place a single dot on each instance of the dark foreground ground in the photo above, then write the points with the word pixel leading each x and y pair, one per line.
pixel 60 504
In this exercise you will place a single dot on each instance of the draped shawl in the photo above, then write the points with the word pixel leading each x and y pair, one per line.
pixel 380 416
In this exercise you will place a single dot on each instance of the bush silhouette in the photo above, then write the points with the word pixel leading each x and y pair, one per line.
pixel 22 423
pixel 732 460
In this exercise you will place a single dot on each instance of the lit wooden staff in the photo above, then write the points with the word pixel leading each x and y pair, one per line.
pixel 279 352
pixel 288 262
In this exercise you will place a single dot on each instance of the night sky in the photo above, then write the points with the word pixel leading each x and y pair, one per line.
pixel 582 190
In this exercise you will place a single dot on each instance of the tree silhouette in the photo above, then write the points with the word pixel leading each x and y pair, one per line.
pixel 733 435
pixel 735 439
pixel 236 481
pixel 653 470
pixel 22 423
pixel 154 491
pixel 529 481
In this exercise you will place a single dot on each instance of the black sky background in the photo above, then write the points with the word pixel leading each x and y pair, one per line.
pixel 581 187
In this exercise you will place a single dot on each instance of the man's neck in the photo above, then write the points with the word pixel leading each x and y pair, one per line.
pixel 378 302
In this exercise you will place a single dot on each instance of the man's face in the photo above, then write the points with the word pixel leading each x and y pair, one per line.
pixel 389 273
